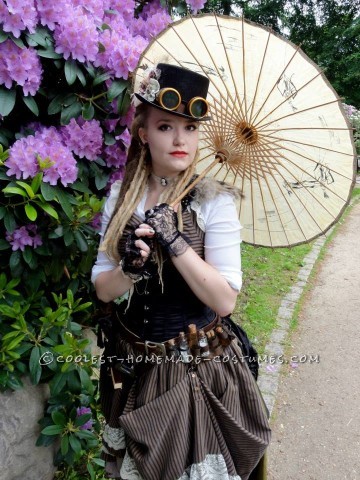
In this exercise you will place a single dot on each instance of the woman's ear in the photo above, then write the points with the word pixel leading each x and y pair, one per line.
pixel 142 135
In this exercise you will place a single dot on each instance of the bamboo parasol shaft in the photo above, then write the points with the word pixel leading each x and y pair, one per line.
pixel 220 157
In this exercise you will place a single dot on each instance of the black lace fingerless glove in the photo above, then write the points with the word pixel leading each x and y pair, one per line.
pixel 132 263
pixel 163 219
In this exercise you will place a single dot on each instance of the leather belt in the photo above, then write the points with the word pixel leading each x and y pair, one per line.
pixel 157 348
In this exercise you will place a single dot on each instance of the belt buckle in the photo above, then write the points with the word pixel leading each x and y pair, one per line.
pixel 149 343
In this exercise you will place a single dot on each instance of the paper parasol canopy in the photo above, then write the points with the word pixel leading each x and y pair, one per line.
pixel 277 122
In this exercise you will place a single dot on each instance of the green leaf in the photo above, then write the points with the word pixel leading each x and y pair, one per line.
pixel 101 78
pixel 7 101
pixel 40 37
pixel 36 182
pixel 15 259
pixel 56 104
pixel 68 238
pixel 64 202
pixel 81 76
pixel 30 257
pixel 81 241
pixel 48 191
pixel 82 419
pixel 48 53
pixel 15 383
pixel 70 112
pixel 31 104
pixel 101 181
pixel 84 434
pixel 88 111
pixel 70 71
pixel 9 222
pixel 26 187
pixel 34 366
pixel 99 461
pixel 52 430
pixel 75 444
pixel 101 47
pixel 124 104
pixel 85 379
pixel 109 139
pixel 58 418
pixel 49 210
pixel 4 245
pixel 31 212
pixel 64 445
pixel 3 36
pixel 91 471
pixel 15 191
pixel 117 87
pixel 80 187
pixel 57 383
pixel 17 41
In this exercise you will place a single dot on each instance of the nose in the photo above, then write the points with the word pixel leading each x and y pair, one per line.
pixel 179 138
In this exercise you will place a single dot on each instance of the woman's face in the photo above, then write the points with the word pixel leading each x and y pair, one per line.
pixel 172 141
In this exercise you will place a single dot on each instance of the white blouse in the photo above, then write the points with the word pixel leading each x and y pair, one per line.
pixel 216 217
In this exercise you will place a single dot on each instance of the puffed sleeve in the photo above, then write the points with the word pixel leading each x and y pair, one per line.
pixel 222 238
pixel 103 262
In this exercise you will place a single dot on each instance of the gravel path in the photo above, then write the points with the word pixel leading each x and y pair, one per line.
pixel 315 420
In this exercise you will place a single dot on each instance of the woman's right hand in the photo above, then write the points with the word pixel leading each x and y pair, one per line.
pixel 138 249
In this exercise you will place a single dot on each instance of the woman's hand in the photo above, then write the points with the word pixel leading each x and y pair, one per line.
pixel 163 219
pixel 138 248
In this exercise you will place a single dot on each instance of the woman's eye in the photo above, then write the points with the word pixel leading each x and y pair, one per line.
pixel 164 127
pixel 192 127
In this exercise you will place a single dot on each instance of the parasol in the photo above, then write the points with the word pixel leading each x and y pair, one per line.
pixel 278 130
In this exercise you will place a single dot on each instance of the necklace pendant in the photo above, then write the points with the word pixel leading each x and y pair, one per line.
pixel 163 181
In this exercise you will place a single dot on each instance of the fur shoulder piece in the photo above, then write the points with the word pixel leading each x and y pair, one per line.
pixel 209 188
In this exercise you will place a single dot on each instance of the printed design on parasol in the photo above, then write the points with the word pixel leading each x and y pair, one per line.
pixel 278 131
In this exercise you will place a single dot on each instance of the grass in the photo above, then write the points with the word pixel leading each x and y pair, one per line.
pixel 268 275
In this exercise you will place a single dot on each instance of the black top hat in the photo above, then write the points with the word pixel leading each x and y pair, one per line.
pixel 184 85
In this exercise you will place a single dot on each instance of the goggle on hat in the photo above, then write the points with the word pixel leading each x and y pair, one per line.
pixel 176 90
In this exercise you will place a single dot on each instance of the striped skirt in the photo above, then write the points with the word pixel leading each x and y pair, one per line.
pixel 183 421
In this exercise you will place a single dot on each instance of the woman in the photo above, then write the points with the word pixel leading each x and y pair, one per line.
pixel 188 406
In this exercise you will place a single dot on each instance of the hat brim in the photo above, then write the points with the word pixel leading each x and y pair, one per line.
pixel 172 112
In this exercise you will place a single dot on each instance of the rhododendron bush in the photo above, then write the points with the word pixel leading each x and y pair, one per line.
pixel 65 110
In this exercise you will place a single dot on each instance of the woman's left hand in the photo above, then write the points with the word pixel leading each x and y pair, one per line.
pixel 163 219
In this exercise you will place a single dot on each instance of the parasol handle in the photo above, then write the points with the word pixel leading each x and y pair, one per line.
pixel 220 157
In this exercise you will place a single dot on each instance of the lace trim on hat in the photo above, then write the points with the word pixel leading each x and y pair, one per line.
pixel 150 86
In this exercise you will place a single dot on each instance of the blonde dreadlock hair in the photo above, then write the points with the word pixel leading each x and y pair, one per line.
pixel 138 166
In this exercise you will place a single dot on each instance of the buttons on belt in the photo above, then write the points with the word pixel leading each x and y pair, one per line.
pixel 146 320
pixel 146 292
pixel 146 307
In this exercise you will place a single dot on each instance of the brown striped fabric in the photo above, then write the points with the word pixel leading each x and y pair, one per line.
pixel 176 415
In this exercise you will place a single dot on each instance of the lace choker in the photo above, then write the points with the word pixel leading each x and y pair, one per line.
pixel 164 181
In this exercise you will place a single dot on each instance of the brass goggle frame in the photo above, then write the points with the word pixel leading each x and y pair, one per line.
pixel 189 105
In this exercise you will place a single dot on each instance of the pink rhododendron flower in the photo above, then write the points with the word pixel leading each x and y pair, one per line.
pixel 43 151
pixel 18 15
pixel 84 138
pixel 24 236
pixel 83 411
pixel 116 175
pixel 196 5
pixel 21 65
pixel 115 156
pixel 77 36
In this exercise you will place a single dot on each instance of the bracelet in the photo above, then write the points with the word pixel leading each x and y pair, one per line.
pixel 134 277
